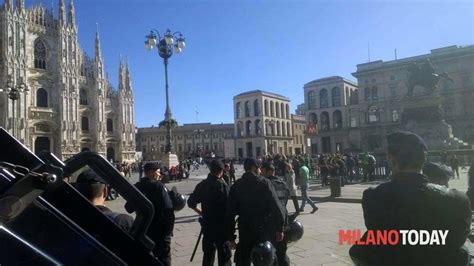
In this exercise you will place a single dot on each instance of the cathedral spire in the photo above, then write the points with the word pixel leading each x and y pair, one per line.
pixel 98 52
pixel 62 12
pixel 20 4
pixel 8 4
pixel 72 13
pixel 128 78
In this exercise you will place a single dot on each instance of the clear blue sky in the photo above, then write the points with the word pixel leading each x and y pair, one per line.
pixel 235 46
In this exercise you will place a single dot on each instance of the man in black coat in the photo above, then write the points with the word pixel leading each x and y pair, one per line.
pixel 283 193
pixel 212 194
pixel 161 228
pixel 254 200
pixel 408 202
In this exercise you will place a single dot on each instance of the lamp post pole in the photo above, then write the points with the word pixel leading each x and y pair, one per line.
pixel 165 47
pixel 13 91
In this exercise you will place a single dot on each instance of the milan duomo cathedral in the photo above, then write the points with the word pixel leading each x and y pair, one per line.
pixel 68 105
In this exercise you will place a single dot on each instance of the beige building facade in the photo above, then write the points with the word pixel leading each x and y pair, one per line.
pixel 298 123
pixel 70 105
pixel 374 110
pixel 189 140
pixel 262 124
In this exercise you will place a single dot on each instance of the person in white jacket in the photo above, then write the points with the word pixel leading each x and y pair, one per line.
pixel 290 182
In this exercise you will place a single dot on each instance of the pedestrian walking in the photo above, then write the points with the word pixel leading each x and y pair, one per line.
pixel 304 181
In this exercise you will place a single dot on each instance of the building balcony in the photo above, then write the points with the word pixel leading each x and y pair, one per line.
pixel 45 113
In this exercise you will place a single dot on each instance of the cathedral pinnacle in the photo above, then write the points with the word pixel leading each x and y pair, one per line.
pixel 72 13
pixel 98 53
pixel 62 12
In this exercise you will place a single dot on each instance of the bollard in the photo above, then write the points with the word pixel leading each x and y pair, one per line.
pixel 335 186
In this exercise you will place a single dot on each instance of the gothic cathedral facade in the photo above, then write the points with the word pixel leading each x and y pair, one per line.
pixel 68 105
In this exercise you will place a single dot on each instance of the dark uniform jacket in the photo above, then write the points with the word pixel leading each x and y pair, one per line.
pixel 163 219
pixel 254 200
pixel 124 221
pixel 410 202
pixel 282 192
pixel 212 193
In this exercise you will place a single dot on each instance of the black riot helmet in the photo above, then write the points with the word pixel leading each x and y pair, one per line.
pixel 295 231
pixel 178 199
pixel 263 254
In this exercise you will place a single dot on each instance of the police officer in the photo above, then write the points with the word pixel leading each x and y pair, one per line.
pixel 94 188
pixel 283 193
pixel 254 200
pixel 409 201
pixel 212 194
pixel 161 228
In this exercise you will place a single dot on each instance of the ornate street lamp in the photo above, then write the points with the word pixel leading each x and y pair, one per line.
pixel 165 45
pixel 13 91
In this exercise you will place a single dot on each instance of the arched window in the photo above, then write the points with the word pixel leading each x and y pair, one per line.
pixel 85 123
pixel 313 119
pixel 256 108
pixel 282 110
pixel 247 109
pixel 336 96
pixel 248 128
pixel 110 125
pixel 311 100
pixel 278 128
pixel 287 111
pixel 258 127
pixel 277 109
pixel 40 55
pixel 240 129
pixel 324 121
pixel 375 95
pixel 323 98
pixel 41 98
pixel 373 113
pixel 354 97
pixel 272 109
pixel 238 110
pixel 288 129
pixel 283 128
pixel 42 144
pixel 337 119
pixel 266 107
pixel 83 97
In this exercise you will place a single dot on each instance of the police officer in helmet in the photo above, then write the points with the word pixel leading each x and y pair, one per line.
pixel 212 194
pixel 260 217
pixel 283 193
pixel 161 228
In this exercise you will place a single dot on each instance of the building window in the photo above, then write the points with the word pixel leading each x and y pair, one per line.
pixel 256 108
pixel 41 98
pixel 258 127
pixel 374 93
pixel 323 98
pixel 336 96
pixel 248 128
pixel 325 121
pixel 238 111
pixel 287 111
pixel 353 121
pixel 367 94
pixel 272 109
pixel 337 119
pixel 282 111
pixel 277 109
pixel 311 100
pixel 392 77
pixel 85 123
pixel 373 114
pixel 395 116
pixel 180 147
pixel 40 55
pixel 393 91
pixel 240 129
pixel 215 147
pixel 247 109
pixel 144 149
pixel 110 125
pixel 354 98
pixel 83 97
pixel 266 107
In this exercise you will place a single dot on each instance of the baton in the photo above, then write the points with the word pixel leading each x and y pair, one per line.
pixel 196 246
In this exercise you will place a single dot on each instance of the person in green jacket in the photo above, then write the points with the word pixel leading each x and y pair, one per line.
pixel 304 177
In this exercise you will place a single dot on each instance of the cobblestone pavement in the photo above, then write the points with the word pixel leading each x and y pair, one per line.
pixel 320 243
